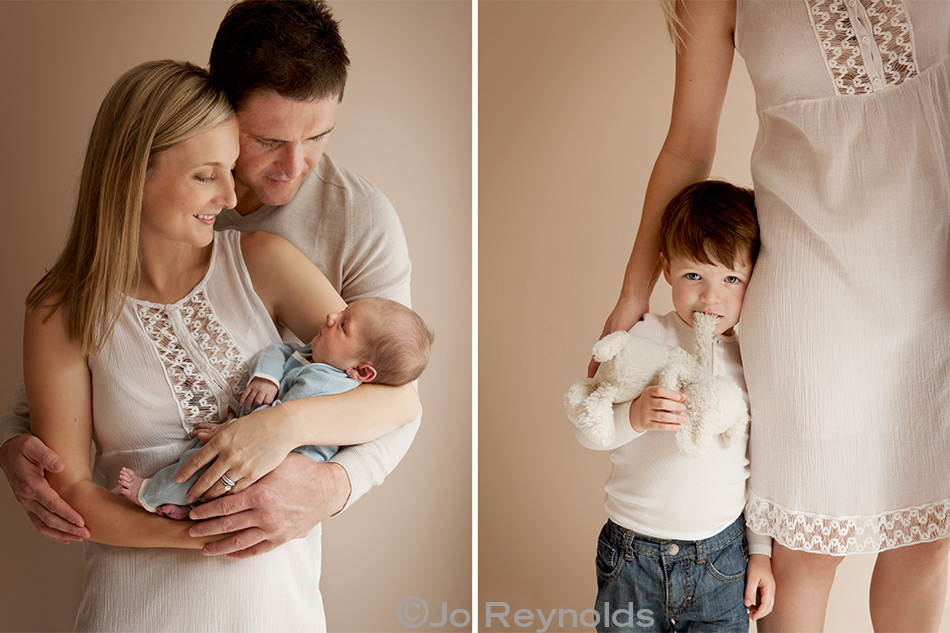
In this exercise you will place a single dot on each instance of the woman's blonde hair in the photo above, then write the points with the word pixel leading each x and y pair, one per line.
pixel 674 24
pixel 148 110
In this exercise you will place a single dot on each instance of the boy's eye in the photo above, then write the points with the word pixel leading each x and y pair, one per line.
pixel 732 279
pixel 692 276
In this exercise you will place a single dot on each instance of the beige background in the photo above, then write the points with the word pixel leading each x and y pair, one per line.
pixel 405 124
pixel 574 102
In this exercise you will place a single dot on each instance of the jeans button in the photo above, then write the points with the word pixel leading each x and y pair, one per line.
pixel 672 549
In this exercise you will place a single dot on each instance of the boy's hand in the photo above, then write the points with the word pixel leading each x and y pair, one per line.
pixel 759 587
pixel 259 391
pixel 658 409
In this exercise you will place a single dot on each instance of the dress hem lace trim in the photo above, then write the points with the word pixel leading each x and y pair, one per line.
pixel 838 536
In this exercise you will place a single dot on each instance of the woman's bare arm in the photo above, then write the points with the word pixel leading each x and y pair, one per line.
pixel 60 394
pixel 703 65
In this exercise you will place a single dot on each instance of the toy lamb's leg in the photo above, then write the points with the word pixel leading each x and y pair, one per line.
pixel 609 346
pixel 695 436
pixel 693 439
pixel 674 376
pixel 703 327
pixel 592 410
pixel 669 376
pixel 577 392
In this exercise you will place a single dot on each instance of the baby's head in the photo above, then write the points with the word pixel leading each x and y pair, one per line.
pixel 709 240
pixel 375 340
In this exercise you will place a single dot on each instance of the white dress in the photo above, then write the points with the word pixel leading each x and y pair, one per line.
pixel 846 324
pixel 165 368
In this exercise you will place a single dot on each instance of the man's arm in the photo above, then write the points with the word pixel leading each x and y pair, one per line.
pixel 25 460
pixel 16 420
pixel 375 258
pixel 376 264
pixel 368 464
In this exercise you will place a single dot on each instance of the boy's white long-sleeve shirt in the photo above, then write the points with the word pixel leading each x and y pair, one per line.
pixel 656 490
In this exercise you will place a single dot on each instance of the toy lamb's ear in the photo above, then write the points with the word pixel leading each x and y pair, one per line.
pixel 609 346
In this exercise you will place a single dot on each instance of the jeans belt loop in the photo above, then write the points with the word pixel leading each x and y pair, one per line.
pixel 628 537
pixel 701 552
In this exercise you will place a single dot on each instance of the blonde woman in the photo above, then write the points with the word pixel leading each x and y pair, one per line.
pixel 846 325
pixel 143 328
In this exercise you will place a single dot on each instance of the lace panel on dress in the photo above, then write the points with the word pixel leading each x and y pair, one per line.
pixel 190 385
pixel 214 341
pixel 890 29
pixel 848 535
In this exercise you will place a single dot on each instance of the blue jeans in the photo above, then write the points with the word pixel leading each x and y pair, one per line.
pixel 649 584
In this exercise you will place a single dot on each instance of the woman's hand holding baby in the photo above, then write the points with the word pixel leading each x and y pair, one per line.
pixel 658 409
pixel 244 449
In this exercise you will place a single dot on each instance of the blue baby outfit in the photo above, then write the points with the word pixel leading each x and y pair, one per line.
pixel 287 366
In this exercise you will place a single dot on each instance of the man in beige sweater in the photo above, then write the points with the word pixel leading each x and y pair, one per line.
pixel 286 98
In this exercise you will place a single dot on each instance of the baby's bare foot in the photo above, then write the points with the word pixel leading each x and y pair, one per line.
pixel 173 512
pixel 129 484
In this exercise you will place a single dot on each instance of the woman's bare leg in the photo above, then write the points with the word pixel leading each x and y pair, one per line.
pixel 909 587
pixel 802 583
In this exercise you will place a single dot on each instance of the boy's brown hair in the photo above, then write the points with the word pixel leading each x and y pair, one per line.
pixel 711 220
pixel 400 342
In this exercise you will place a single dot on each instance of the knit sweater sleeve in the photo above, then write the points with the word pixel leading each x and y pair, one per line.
pixel 16 419
pixel 375 263
pixel 375 257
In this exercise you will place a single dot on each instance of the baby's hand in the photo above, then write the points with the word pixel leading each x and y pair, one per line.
pixel 658 409
pixel 204 431
pixel 259 391
pixel 759 586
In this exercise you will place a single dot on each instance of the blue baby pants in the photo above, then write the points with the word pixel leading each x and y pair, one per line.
pixel 164 489
pixel 649 584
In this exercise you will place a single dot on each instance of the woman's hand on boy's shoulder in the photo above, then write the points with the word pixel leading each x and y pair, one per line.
pixel 759 586
pixel 658 409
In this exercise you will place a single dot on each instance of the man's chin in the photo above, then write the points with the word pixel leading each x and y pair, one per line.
pixel 276 198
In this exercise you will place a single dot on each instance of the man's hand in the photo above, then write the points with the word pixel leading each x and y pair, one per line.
pixel 25 460
pixel 759 587
pixel 284 505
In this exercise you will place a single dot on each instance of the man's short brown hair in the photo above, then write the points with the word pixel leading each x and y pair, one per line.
pixel 711 220
pixel 293 47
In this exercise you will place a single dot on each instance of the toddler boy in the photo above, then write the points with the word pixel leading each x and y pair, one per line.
pixel 674 552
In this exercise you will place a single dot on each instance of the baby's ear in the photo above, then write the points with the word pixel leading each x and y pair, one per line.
pixel 364 372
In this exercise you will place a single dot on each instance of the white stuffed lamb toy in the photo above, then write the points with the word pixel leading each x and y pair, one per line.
pixel 630 363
